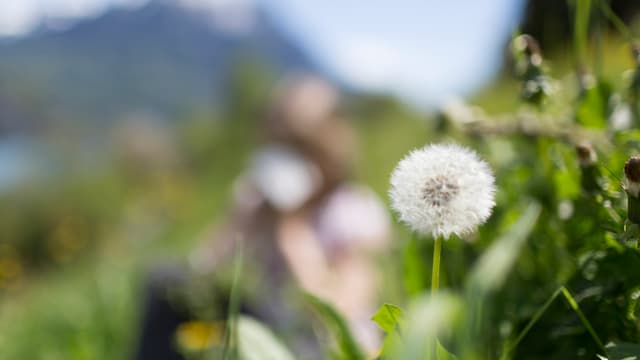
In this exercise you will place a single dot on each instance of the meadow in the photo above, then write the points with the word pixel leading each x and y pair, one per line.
pixel 552 274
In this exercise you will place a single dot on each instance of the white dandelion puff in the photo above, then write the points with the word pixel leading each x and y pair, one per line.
pixel 443 190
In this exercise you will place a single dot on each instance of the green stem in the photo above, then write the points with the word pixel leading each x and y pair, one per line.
pixel 435 284
pixel 581 31
pixel 574 306
pixel 598 39
pixel 633 209
pixel 435 270
pixel 615 20
pixel 231 335
pixel 530 324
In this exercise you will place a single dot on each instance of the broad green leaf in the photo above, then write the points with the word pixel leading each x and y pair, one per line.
pixel 257 342
pixel 348 348
pixel 388 318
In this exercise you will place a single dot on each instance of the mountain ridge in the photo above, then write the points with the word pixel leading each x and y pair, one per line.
pixel 161 57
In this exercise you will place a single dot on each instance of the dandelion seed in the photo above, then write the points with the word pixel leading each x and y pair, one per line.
pixel 443 190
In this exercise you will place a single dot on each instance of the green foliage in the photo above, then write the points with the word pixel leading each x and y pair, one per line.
pixel 347 347
pixel 390 319
pixel 447 318
pixel 494 266
pixel 74 315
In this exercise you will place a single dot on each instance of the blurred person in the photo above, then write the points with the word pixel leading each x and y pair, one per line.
pixel 301 223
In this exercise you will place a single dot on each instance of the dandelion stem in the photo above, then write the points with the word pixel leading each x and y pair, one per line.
pixel 435 270
pixel 435 283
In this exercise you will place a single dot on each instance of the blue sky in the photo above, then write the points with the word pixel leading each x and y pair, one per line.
pixel 426 51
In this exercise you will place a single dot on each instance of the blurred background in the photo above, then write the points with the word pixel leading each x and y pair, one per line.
pixel 124 125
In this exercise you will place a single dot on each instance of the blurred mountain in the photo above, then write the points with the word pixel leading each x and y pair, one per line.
pixel 161 58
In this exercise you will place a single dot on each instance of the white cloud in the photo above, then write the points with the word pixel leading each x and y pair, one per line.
pixel 17 17
pixel 73 8
pixel 409 71
pixel 368 63
pixel 20 16
pixel 215 3
pixel 232 16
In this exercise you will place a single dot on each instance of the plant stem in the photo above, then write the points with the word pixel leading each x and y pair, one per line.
pixel 435 284
pixel 633 209
pixel 231 335
pixel 582 10
pixel 574 306
pixel 435 270
pixel 530 324
pixel 622 28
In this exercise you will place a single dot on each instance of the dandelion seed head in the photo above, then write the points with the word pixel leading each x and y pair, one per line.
pixel 439 190
pixel 442 190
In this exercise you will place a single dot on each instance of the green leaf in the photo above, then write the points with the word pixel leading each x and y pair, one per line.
pixel 623 351
pixel 257 342
pixel 348 348
pixel 388 318
pixel 443 353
